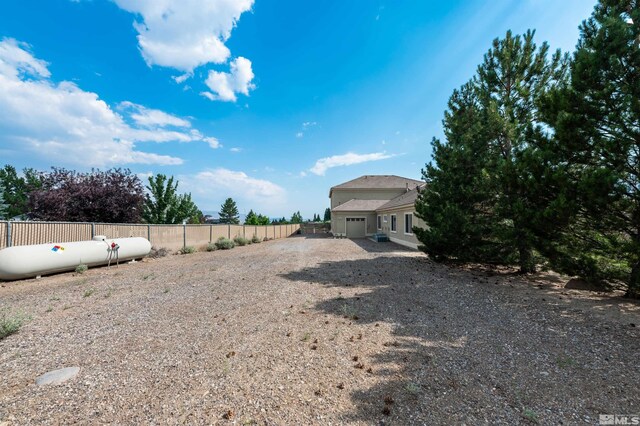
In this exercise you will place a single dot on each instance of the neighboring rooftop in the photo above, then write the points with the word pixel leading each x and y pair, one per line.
pixel 356 205
pixel 378 182
pixel 408 197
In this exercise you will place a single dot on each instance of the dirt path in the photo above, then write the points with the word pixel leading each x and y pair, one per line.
pixel 304 331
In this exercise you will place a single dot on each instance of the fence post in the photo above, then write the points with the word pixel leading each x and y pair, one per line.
pixel 184 235
pixel 93 230
pixel 9 239
pixel 229 230
pixel 149 232
pixel 210 233
pixel 244 232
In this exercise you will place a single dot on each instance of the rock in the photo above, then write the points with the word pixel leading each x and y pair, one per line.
pixel 56 377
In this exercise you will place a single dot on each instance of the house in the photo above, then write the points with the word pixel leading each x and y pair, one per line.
pixel 375 204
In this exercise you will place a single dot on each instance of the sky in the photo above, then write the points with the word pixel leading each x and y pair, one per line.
pixel 268 102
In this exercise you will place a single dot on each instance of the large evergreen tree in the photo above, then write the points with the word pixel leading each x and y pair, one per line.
pixel 3 205
pixel 229 212
pixel 597 120
pixel 17 188
pixel 296 218
pixel 327 215
pixel 492 182
pixel 164 205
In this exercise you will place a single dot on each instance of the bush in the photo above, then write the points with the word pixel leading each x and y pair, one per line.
pixel 157 252
pixel 256 239
pixel 224 244
pixel 10 324
pixel 82 268
pixel 241 241
pixel 212 247
pixel 188 250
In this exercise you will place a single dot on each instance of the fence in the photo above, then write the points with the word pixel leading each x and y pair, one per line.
pixel 170 236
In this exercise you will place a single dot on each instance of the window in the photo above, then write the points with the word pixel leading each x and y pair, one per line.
pixel 394 224
pixel 408 223
pixel 379 222
pixel 384 218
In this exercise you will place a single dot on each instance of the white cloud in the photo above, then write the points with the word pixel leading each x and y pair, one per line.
pixel 323 164
pixel 182 77
pixel 235 149
pixel 213 142
pixel 249 192
pixel 299 135
pixel 225 85
pixel 185 34
pixel 152 118
pixel 309 124
pixel 303 174
pixel 63 123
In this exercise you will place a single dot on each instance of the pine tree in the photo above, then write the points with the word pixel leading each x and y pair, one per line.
pixel 598 123
pixel 251 219
pixel 296 217
pixel 229 212
pixel 493 184
pixel 327 215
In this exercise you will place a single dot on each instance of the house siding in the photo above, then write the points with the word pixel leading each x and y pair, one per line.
pixel 399 236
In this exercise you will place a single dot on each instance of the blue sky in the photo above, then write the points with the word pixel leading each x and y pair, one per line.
pixel 268 102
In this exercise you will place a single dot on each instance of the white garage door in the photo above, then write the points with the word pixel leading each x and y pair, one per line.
pixel 356 227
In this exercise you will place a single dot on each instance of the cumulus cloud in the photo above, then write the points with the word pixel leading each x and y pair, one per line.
pixel 350 158
pixel 62 122
pixel 185 34
pixel 247 190
pixel 224 86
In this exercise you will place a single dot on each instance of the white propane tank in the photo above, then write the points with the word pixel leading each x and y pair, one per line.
pixel 43 259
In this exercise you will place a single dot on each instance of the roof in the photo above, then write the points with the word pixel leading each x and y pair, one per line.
pixel 359 206
pixel 408 197
pixel 378 182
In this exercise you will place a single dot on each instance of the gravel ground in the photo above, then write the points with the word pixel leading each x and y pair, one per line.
pixel 316 331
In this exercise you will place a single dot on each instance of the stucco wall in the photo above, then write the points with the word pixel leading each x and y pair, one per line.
pixel 399 236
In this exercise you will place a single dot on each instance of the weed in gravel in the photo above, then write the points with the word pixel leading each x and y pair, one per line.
pixel 11 323
pixel 256 239
pixel 108 294
pixel 157 252
pixel 166 290
pixel 88 292
pixel 241 241
pixel 565 361
pixel 65 307
pixel 229 415
pixel 188 250
pixel 388 400
pixel 306 337
pixel 212 247
pixel 530 415
pixel 81 281
pixel 148 276
pixel 224 243
pixel 386 411
pixel 349 312
pixel 82 268
pixel 55 299
pixel 49 309
pixel 412 388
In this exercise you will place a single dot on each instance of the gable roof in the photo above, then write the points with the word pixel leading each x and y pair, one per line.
pixel 408 197
pixel 356 205
pixel 378 182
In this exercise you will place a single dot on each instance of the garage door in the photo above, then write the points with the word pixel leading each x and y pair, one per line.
pixel 355 227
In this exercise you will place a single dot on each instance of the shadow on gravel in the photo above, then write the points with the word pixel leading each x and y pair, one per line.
pixel 468 347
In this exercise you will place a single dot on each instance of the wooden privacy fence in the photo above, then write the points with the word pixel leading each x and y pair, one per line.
pixel 169 236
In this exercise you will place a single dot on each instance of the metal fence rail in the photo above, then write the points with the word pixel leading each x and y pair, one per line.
pixel 15 233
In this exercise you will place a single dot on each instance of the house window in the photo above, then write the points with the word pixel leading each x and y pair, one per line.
pixel 379 222
pixel 408 223
pixel 394 223
pixel 384 218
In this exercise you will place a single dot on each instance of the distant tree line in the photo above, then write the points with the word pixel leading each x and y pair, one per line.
pixel 541 162
pixel 111 196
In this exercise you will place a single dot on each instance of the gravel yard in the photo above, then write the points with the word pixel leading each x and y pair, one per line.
pixel 315 330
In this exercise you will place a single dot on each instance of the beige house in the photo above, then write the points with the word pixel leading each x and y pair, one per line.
pixel 376 204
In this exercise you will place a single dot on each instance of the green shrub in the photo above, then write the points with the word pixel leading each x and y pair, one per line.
pixel 241 241
pixel 10 324
pixel 82 268
pixel 188 250
pixel 225 244
pixel 212 247
pixel 256 239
